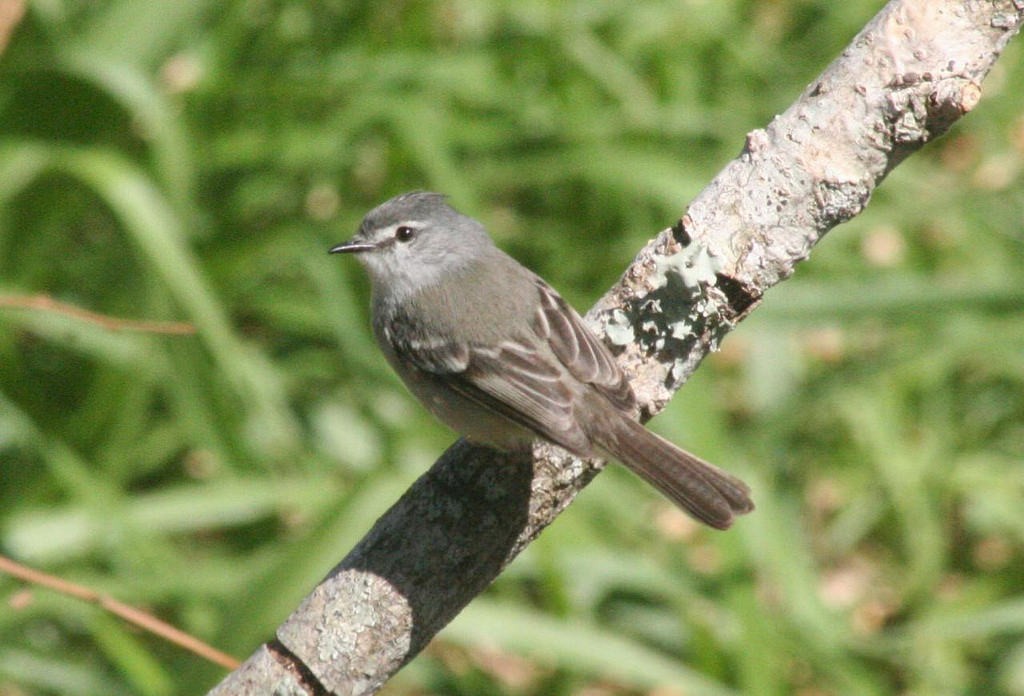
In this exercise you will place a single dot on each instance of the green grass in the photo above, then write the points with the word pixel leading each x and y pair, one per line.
pixel 193 161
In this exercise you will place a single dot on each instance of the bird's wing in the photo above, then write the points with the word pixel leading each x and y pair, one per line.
pixel 534 377
pixel 519 379
pixel 579 350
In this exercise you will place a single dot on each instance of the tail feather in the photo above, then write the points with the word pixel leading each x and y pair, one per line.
pixel 703 490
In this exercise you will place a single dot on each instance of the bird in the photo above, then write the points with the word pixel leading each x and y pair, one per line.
pixel 495 353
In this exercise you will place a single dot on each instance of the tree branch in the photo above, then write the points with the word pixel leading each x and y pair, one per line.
pixel 133 615
pixel 45 303
pixel 912 72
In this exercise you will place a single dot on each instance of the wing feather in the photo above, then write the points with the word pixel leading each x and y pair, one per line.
pixel 579 350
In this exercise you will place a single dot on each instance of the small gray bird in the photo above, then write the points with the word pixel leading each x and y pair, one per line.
pixel 497 355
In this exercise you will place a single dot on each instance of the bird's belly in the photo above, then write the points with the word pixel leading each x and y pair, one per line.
pixel 463 415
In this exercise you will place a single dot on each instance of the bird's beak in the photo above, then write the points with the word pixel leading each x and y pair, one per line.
pixel 352 246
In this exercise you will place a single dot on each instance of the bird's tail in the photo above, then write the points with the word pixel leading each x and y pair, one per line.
pixel 701 489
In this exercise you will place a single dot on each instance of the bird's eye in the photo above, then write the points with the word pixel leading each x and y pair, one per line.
pixel 404 233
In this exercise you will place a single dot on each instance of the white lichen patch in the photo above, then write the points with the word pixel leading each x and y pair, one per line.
pixel 681 296
pixel 618 328
pixel 693 265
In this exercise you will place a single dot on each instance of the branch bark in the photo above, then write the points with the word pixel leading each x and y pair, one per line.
pixel 910 74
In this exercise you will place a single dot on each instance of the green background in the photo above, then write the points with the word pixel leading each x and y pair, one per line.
pixel 193 161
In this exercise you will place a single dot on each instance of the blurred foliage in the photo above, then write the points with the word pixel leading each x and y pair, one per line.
pixel 193 161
